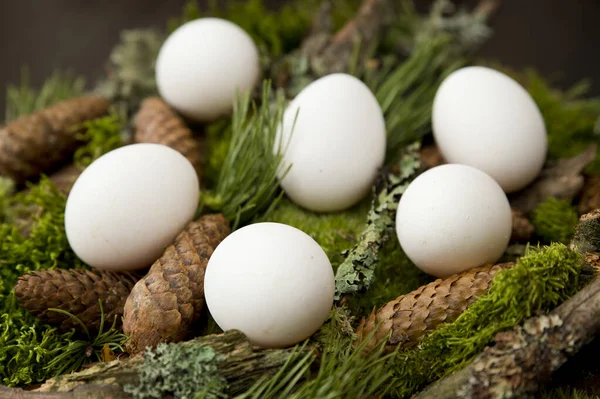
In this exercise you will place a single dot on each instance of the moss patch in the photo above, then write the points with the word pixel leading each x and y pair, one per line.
pixel 335 232
pixel 555 220
pixel 540 281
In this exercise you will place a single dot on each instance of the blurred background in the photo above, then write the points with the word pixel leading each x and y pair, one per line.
pixel 560 38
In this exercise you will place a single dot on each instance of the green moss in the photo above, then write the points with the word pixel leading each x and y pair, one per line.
pixel 555 220
pixel 26 346
pixel 182 371
pixel 100 136
pixel 335 232
pixel 218 140
pixel 570 117
pixel 25 99
pixel 7 189
pixel 540 281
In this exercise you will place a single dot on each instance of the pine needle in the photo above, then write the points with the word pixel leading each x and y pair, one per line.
pixel 77 353
pixel 248 184
pixel 24 99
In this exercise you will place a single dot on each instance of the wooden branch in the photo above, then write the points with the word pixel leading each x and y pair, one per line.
pixel 242 365
pixel 524 358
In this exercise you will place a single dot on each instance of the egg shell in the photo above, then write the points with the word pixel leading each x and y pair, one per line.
pixel 129 204
pixel 271 281
pixel 485 119
pixel 452 218
pixel 203 65
pixel 333 136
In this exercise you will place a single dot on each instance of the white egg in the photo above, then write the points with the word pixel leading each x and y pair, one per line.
pixel 271 281
pixel 129 204
pixel 203 65
pixel 337 143
pixel 484 118
pixel 452 218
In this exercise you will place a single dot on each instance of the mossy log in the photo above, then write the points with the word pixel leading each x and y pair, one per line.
pixel 241 365
pixel 523 359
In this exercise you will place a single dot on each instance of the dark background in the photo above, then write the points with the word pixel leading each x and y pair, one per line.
pixel 560 38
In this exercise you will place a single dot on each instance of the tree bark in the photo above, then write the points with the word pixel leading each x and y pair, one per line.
pixel 523 359
pixel 242 365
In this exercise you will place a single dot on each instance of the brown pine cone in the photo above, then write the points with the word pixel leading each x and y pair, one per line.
pixel 34 143
pixel 65 178
pixel 522 229
pixel 163 305
pixel 157 123
pixel 410 317
pixel 590 195
pixel 77 292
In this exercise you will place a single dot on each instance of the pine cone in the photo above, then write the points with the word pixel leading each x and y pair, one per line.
pixel 410 317
pixel 590 195
pixel 522 229
pixel 157 123
pixel 34 143
pixel 65 178
pixel 163 305
pixel 77 292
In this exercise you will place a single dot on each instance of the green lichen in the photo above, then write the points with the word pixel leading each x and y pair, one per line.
pixel 555 220
pixel 131 73
pixel 181 371
pixel 100 136
pixel 335 232
pixel 541 280
pixel 357 272
pixel 395 275
pixel 25 99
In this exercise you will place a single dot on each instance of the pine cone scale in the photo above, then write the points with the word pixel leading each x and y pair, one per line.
pixel 33 143
pixel 77 292
pixel 157 123
pixel 410 317
pixel 174 286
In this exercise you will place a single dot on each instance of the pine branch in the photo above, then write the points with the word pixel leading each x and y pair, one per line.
pixel 248 184
pixel 523 359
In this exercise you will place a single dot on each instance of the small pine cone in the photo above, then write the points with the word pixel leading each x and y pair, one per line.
pixel 410 317
pixel 522 229
pixel 34 143
pixel 157 123
pixel 77 292
pixel 590 195
pixel 163 305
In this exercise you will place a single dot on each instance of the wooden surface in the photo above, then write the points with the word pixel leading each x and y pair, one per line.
pixel 559 37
